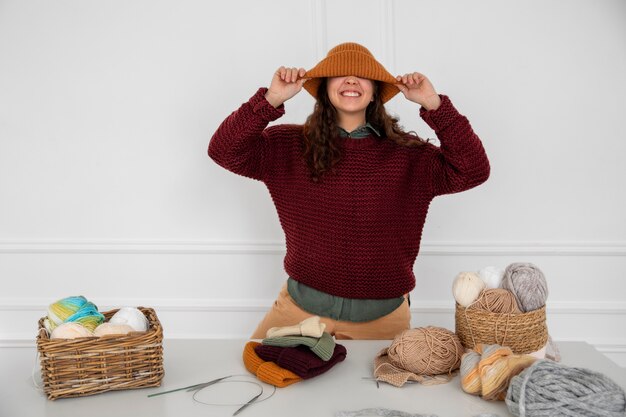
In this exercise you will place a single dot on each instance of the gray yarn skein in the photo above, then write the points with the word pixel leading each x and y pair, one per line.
pixel 528 285
pixel 547 388
pixel 385 412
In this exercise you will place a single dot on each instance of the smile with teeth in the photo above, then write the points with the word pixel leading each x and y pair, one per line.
pixel 351 94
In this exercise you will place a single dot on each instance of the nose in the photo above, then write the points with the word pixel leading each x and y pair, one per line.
pixel 351 80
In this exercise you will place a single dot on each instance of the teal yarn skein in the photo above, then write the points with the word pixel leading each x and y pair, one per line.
pixel 74 309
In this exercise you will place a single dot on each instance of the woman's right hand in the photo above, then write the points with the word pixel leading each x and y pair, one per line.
pixel 286 83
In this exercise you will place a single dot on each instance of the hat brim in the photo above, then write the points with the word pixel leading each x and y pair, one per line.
pixel 351 63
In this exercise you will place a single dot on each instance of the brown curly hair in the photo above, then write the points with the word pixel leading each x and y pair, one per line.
pixel 320 149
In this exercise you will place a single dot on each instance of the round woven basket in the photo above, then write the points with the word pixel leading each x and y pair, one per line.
pixel 522 332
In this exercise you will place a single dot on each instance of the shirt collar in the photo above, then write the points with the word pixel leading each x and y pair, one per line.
pixel 360 132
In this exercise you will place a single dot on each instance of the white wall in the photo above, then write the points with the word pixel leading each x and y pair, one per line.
pixel 106 109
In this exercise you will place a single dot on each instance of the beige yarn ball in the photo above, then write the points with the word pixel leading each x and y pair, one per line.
pixel 112 329
pixel 70 330
pixel 426 351
pixel 496 300
pixel 466 288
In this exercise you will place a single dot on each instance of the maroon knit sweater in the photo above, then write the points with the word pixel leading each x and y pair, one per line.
pixel 357 232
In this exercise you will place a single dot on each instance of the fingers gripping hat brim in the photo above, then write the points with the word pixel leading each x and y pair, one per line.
pixel 351 62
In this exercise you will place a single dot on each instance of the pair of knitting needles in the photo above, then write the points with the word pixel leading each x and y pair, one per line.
pixel 369 378
pixel 197 387
pixel 372 379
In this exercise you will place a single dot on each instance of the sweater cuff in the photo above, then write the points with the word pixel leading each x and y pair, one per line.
pixel 263 108
pixel 441 117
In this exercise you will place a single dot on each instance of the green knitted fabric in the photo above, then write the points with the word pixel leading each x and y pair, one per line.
pixel 322 347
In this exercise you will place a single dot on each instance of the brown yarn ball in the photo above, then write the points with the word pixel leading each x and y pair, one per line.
pixel 426 351
pixel 496 300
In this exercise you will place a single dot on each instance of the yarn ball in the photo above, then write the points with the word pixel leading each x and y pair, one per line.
pixel 131 316
pixel 487 370
pixel 470 377
pixel 467 287
pixel 528 284
pixel 549 388
pixel 496 375
pixel 112 329
pixel 70 330
pixel 496 300
pixel 426 351
pixel 492 276
pixel 74 309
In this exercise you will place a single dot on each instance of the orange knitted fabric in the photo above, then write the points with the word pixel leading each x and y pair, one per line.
pixel 351 59
pixel 267 371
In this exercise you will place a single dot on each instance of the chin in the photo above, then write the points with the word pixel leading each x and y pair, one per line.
pixel 353 108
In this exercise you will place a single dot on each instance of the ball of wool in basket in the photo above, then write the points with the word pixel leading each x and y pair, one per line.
pixel 466 288
pixel 527 283
pixel 426 351
pixel 492 276
pixel 131 316
pixel 549 388
pixel 74 309
pixel 70 330
pixel 496 300
pixel 112 329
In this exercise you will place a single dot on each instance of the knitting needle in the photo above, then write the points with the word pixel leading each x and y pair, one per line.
pixel 206 384
pixel 174 390
pixel 248 403
pixel 191 387
pixel 370 378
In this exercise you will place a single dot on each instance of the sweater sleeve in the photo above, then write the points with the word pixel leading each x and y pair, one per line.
pixel 240 144
pixel 460 163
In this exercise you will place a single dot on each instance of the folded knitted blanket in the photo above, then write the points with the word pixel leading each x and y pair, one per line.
pixel 323 346
pixel 267 371
pixel 300 360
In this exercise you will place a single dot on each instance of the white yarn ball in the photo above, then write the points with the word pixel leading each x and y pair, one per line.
pixel 466 288
pixel 70 330
pixel 131 316
pixel 109 328
pixel 492 276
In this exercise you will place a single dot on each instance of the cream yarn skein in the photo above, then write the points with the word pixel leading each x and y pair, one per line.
pixel 70 330
pixel 131 316
pixel 466 288
pixel 109 328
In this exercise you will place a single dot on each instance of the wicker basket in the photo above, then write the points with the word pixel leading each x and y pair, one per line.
pixel 91 365
pixel 522 332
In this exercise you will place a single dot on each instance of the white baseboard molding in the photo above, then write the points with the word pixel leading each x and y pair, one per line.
pixel 600 324
pixel 221 247
pixel 249 305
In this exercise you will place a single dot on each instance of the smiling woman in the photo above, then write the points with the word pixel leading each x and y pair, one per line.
pixel 350 96
pixel 351 188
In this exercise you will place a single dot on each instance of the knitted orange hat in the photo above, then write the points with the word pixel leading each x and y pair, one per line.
pixel 267 371
pixel 351 59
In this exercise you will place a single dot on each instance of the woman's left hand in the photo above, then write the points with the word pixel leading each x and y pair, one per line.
pixel 417 88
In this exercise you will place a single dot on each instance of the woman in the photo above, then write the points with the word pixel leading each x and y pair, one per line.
pixel 350 187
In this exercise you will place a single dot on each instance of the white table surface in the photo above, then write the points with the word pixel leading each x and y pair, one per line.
pixel 189 362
